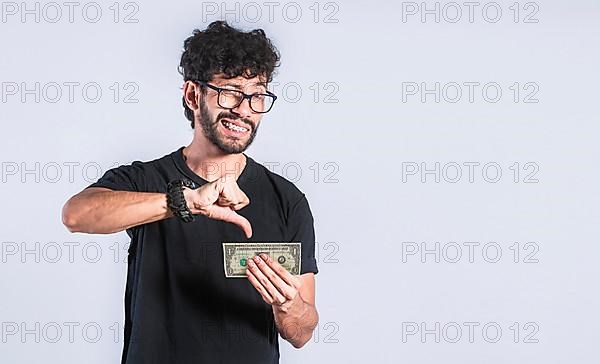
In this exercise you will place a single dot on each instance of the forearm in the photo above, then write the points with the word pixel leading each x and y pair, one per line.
pixel 106 212
pixel 296 322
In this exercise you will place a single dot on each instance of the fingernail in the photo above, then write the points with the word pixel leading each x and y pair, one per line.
pixel 250 263
pixel 257 259
pixel 264 256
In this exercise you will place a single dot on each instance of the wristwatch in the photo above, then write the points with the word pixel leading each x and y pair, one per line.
pixel 176 200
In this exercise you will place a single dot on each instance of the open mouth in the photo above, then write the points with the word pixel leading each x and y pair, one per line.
pixel 236 128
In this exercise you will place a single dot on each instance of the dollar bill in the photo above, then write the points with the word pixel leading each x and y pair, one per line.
pixel 236 255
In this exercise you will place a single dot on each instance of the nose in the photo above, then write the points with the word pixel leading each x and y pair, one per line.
pixel 243 110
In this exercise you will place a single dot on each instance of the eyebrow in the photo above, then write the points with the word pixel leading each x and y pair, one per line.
pixel 264 84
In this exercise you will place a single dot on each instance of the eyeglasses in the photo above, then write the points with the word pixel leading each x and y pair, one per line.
pixel 230 99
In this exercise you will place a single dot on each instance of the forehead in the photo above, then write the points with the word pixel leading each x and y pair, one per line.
pixel 240 82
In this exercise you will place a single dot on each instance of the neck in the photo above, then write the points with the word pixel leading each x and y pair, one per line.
pixel 210 163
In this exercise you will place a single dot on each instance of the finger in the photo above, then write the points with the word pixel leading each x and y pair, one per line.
pixel 281 286
pixel 286 276
pixel 259 287
pixel 226 196
pixel 289 290
pixel 233 190
pixel 284 288
pixel 243 197
pixel 218 185
pixel 240 221
pixel 239 206
pixel 245 225
pixel 241 203
pixel 235 203
pixel 278 297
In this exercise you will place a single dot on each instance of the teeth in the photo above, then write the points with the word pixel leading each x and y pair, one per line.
pixel 234 127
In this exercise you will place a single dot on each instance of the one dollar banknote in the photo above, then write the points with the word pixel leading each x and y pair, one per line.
pixel 236 256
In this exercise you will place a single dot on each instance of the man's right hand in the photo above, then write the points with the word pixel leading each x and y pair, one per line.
pixel 219 200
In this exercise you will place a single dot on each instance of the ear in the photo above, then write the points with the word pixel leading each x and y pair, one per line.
pixel 191 91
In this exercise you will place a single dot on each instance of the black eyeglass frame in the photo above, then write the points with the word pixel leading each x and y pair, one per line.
pixel 244 96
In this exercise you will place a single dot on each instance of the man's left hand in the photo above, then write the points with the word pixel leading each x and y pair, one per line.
pixel 276 285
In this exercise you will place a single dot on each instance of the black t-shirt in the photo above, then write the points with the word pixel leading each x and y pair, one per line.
pixel 179 307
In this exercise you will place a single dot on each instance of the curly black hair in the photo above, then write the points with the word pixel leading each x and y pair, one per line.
pixel 221 48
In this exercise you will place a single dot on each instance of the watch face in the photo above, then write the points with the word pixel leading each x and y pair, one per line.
pixel 189 183
pixel 179 183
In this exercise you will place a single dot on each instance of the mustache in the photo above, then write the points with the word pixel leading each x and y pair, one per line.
pixel 235 118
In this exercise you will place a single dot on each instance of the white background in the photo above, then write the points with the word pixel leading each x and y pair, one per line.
pixel 356 151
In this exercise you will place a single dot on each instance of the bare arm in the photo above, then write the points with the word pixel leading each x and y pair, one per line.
pixel 98 210
pixel 296 320
pixel 292 298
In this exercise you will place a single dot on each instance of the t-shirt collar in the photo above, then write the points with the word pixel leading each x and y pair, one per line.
pixel 183 167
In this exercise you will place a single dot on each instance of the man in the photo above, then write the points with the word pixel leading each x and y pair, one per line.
pixel 178 209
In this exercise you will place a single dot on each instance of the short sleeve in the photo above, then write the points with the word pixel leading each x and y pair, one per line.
pixel 123 178
pixel 301 228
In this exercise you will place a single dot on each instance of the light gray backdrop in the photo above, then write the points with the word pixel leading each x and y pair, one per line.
pixel 448 151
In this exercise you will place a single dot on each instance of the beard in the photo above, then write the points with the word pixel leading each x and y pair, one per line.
pixel 227 144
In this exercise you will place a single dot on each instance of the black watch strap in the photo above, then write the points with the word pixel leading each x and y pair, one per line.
pixel 176 200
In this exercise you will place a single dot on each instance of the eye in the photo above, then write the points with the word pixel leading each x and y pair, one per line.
pixel 232 93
